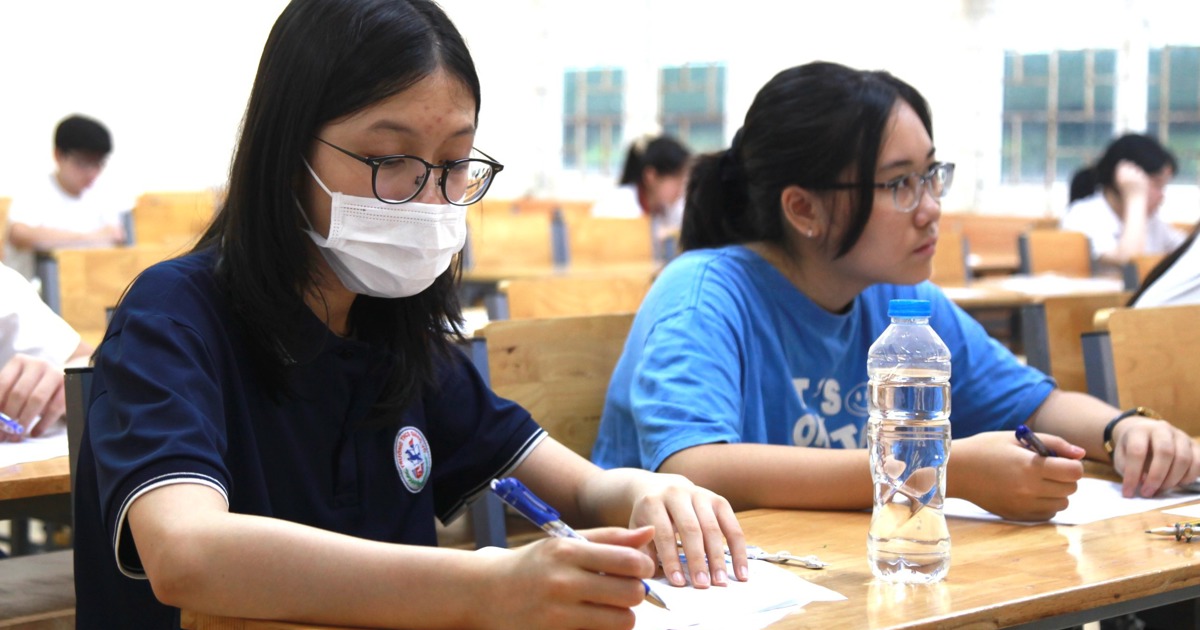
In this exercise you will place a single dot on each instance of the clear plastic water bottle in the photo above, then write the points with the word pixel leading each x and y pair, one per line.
pixel 908 371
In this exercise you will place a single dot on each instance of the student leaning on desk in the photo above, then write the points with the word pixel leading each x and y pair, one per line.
pixel 745 369
pixel 35 344
pixel 278 416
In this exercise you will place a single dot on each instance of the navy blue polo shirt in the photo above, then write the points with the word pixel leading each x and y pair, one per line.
pixel 174 401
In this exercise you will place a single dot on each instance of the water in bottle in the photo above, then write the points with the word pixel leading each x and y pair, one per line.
pixel 908 371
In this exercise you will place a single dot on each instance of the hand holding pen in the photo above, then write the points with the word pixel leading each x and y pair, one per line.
pixel 516 495
pixel 1031 441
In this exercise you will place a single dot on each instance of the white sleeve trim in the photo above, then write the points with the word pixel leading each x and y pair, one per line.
pixel 509 466
pixel 151 484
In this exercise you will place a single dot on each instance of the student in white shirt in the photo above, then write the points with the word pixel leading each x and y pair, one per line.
pixel 64 209
pixel 652 184
pixel 1175 280
pixel 1116 201
pixel 34 345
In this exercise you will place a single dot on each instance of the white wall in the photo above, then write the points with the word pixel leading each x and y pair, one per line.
pixel 171 79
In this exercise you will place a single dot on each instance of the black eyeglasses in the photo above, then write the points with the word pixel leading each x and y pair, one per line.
pixel 907 189
pixel 400 178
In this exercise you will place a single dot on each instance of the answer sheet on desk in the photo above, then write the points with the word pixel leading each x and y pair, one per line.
pixel 771 593
pixel 34 449
pixel 1094 500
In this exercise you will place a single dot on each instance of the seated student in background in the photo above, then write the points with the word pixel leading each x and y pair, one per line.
pixel 745 369
pixel 1115 202
pixel 1175 279
pixel 652 184
pixel 35 344
pixel 278 416
pixel 63 209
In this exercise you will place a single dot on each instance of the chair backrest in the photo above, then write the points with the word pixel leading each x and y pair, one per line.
pixel 571 295
pixel 92 280
pixel 505 240
pixel 993 237
pixel 1063 252
pixel 558 369
pixel 950 261
pixel 602 241
pixel 1067 318
pixel 77 385
pixel 172 218
pixel 1154 354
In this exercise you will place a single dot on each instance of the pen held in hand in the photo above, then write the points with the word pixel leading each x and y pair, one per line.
pixel 515 494
pixel 1031 441
pixel 8 425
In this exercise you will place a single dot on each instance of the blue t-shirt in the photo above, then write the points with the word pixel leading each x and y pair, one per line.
pixel 175 401
pixel 726 349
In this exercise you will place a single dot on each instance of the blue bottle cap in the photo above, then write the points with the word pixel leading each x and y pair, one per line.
pixel 909 308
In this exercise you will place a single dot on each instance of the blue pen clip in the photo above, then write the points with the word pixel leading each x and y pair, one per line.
pixel 8 425
pixel 1031 441
pixel 515 494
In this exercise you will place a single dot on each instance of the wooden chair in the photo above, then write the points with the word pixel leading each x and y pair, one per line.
pixel 1054 345
pixel 558 369
pixel 499 240
pixel 572 295
pixel 603 241
pixel 1154 359
pixel 1056 251
pixel 950 261
pixel 993 237
pixel 90 281
pixel 172 218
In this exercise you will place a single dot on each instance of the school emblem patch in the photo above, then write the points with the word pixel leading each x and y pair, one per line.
pixel 413 458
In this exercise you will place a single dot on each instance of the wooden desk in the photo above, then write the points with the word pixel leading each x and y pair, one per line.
pixel 1001 575
pixel 34 489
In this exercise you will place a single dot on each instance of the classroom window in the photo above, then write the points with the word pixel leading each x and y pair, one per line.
pixel 692 105
pixel 1173 106
pixel 1058 112
pixel 593 108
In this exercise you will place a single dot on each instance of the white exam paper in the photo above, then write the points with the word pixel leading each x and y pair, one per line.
pixel 771 593
pixel 35 449
pixel 1094 500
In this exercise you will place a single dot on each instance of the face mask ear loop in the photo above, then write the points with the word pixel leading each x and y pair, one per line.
pixel 314 174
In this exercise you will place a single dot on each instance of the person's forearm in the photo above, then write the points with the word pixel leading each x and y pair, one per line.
pixel 256 567
pixel 1133 235
pixel 44 238
pixel 1077 418
pixel 762 475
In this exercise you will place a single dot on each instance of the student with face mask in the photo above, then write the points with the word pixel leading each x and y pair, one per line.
pixel 746 366
pixel 278 416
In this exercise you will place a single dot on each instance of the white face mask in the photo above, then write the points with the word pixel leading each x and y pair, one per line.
pixel 388 250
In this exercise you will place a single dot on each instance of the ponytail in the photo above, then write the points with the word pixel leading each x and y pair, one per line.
pixel 1083 184
pixel 715 211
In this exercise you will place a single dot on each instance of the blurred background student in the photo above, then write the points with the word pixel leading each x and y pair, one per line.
pixel 652 184
pixel 63 209
pixel 1175 279
pixel 35 344
pixel 1115 202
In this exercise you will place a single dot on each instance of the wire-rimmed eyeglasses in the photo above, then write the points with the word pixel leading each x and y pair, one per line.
pixel 907 189
pixel 400 178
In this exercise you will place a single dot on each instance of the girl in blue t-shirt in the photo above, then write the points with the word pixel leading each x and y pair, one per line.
pixel 745 369
pixel 278 416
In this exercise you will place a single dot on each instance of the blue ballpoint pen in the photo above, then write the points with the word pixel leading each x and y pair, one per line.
pixel 1031 441
pixel 515 494
pixel 8 425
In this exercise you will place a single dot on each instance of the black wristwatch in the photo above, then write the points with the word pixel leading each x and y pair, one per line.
pixel 1145 412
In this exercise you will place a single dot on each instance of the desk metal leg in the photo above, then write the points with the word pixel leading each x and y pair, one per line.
pixel 47 272
pixel 1035 338
pixel 1098 366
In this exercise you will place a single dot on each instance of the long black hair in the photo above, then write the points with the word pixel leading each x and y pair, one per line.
pixel 326 59
pixel 664 154
pixel 806 126
pixel 1145 151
